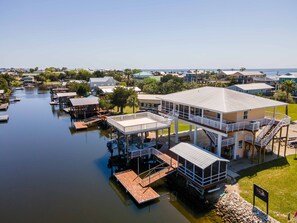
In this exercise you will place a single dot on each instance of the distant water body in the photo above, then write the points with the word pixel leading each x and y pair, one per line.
pixel 270 72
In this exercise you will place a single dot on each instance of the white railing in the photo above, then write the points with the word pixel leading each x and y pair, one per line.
pixel 285 121
pixel 140 153
pixel 265 130
pixel 253 125
pixel 114 121
pixel 228 141
pixel 213 136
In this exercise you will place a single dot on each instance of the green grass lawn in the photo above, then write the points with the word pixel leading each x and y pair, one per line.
pixel 279 178
pixel 292 111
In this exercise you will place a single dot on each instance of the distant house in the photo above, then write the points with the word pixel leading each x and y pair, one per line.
pixel 243 77
pixel 1 92
pixel 110 89
pixel 289 76
pixel 255 88
pixel 102 81
pixel 28 80
pixel 149 102
pixel 194 76
pixel 142 75
pixel 292 76
pixel 266 80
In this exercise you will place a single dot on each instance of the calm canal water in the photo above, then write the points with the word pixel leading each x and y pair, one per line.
pixel 49 175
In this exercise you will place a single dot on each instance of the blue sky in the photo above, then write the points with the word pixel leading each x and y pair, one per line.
pixel 149 34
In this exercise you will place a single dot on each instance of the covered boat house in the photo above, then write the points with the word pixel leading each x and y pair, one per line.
pixel 200 167
pixel 63 97
pixel 84 107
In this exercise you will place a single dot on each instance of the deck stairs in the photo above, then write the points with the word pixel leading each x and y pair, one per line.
pixel 268 132
pixel 214 139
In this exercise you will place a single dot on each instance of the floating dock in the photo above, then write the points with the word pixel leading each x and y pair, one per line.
pixel 4 118
pixel 131 181
pixel 88 122
pixel 4 106
pixel 80 125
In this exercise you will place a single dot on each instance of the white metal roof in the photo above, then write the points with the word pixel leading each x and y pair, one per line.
pixel 66 94
pixel 254 86
pixel 220 100
pixel 196 155
pixel 244 73
pixel 100 79
pixel 84 101
pixel 148 97
pixel 1 91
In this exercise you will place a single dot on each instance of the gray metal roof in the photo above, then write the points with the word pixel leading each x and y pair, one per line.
pixel 84 101
pixel 196 155
pixel 100 79
pixel 220 100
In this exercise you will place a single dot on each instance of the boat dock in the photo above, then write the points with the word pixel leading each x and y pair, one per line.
pixel 4 118
pixel 89 122
pixel 4 106
pixel 131 181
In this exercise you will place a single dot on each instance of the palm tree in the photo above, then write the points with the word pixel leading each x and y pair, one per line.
pixel 288 86
pixel 128 73
pixel 133 101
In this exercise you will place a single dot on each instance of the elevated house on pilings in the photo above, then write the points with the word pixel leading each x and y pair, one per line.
pixel 84 107
pixel 232 120
pixel 202 169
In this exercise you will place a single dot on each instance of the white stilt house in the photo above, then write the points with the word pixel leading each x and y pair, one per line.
pixel 230 119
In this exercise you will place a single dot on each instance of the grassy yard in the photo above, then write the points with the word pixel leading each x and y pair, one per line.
pixel 292 111
pixel 279 178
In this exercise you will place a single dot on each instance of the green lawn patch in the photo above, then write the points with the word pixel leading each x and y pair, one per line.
pixel 292 111
pixel 279 178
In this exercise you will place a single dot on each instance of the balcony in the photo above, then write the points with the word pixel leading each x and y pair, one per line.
pixel 226 127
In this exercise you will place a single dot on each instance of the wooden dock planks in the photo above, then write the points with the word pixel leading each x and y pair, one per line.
pixel 80 125
pixel 131 182
pixel 156 176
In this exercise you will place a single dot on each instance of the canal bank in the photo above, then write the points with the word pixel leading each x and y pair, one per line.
pixel 51 175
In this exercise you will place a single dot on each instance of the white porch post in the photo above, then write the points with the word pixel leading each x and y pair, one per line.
pixel 235 145
pixel 202 114
pixel 195 135
pixel 191 129
pixel 221 120
pixel 219 146
pixel 176 130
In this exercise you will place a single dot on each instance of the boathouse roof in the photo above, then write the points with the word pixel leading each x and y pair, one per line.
pixel 220 100
pixel 84 101
pixel 196 155
pixel 66 94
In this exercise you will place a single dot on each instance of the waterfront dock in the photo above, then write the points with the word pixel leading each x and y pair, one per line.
pixel 131 181
pixel 4 118
pixel 89 122
pixel 4 106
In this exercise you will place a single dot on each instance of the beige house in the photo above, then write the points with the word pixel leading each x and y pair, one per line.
pixel 236 123
pixel 149 102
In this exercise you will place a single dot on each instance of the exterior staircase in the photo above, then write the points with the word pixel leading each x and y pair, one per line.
pixel 214 138
pixel 269 131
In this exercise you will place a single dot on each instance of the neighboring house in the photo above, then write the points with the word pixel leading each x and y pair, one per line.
pixel 28 80
pixel 102 81
pixel 142 75
pixel 289 76
pixel 194 76
pixel 254 88
pixel 292 76
pixel 110 89
pixel 149 102
pixel 243 77
pixel 233 121
pixel 265 80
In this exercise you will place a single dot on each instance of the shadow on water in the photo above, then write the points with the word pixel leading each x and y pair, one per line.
pixel 251 172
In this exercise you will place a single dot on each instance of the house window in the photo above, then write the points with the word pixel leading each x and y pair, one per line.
pixel 218 116
pixel 245 115
pixel 240 144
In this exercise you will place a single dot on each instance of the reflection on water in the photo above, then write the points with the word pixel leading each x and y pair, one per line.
pixel 51 174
